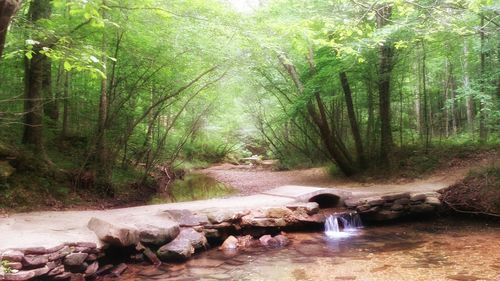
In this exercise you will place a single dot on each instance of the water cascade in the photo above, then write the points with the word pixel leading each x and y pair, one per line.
pixel 342 225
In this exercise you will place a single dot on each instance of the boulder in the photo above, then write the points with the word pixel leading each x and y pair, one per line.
pixel 418 197
pixel 92 269
pixel 114 234
pixel 433 201
pixel 376 201
pixel 75 259
pixel 186 218
pixel 269 241
pixel 154 235
pixel 354 202
pixel 197 239
pixel 282 240
pixel 35 251
pixel 60 254
pixel 397 207
pixel 56 271
pixel 250 221
pixel 177 250
pixel 231 243
pixel 35 261
pixel 402 201
pixel 12 256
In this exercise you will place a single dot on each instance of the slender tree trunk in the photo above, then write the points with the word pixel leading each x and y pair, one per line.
pixel 482 111
pixel 425 95
pixel 384 86
pixel 370 136
pixel 51 109
pixel 66 95
pixel 104 164
pixel 353 121
pixel 446 91
pixel 469 103
pixel 7 10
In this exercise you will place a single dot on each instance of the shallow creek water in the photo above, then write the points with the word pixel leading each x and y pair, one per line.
pixel 442 249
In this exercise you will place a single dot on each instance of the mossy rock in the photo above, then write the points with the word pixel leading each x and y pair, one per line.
pixel 6 170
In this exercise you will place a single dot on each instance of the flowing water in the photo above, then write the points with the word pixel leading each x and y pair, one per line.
pixel 443 249
pixel 343 225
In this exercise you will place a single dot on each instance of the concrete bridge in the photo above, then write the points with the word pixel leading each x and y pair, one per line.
pixel 50 229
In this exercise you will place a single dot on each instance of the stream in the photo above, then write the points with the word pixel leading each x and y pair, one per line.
pixel 442 249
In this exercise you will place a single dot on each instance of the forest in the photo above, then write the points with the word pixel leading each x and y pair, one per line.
pixel 100 95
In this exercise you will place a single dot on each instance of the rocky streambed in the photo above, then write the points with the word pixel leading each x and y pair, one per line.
pixel 175 235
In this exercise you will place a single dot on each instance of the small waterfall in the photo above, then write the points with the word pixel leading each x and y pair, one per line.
pixel 350 222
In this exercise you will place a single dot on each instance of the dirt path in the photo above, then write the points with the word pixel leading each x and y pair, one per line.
pixel 251 180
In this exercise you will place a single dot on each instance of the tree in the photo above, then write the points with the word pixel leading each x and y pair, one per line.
pixel 7 10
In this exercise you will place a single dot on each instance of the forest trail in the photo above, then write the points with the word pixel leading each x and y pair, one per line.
pixel 253 180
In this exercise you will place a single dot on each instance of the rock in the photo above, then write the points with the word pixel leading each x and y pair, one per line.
pixel 6 170
pixel 311 208
pixel 63 276
pixel 269 241
pixel 77 277
pixel 278 213
pixel 396 196
pixel 354 202
pixel 385 215
pixel 104 269
pixel 150 234
pixel 118 270
pixel 422 208
pixel 12 256
pixel 376 201
pixel 19 276
pixel 52 264
pixel 197 239
pixel 56 271
pixel 250 221
pixel 371 210
pixel 186 218
pixel 14 265
pixel 60 254
pixel 402 201
pixel 91 269
pixel 245 241
pixel 212 233
pixel 41 271
pixel 363 208
pixel 35 261
pixel 217 216
pixel 177 250
pixel 433 201
pixel 316 218
pixel 75 259
pixel 230 243
pixel 114 234
pixel 91 257
pixel 418 197
pixel 282 240
pixel 223 225
pixel 397 207
pixel 35 251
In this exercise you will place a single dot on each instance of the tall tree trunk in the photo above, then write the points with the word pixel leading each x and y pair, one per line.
pixel 353 121
pixel 7 10
pixel 425 95
pixel 51 109
pixel 103 163
pixel 469 102
pixel 384 89
pixel 482 111
pixel 34 75
pixel 66 95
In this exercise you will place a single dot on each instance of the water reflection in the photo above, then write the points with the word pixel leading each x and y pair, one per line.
pixel 193 187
